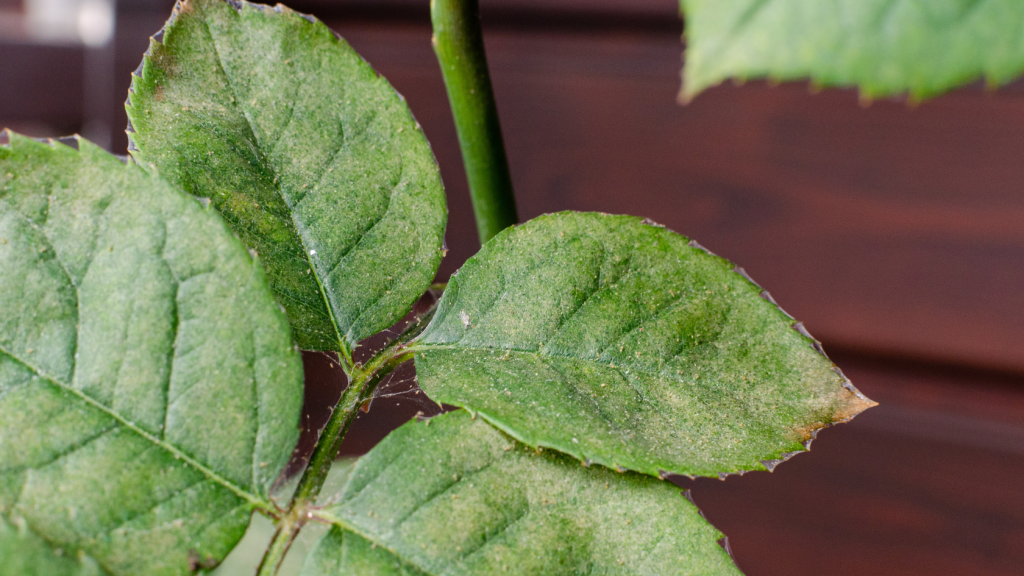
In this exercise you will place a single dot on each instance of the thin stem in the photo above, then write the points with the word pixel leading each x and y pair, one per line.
pixel 363 381
pixel 287 529
pixel 345 357
pixel 330 441
pixel 459 45
pixel 416 328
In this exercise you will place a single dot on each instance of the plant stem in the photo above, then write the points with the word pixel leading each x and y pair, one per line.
pixel 363 381
pixel 286 532
pixel 345 358
pixel 459 45
pixel 416 328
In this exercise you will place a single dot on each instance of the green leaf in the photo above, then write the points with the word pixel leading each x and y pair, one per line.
pixel 311 157
pixel 620 343
pixel 883 46
pixel 349 554
pixel 455 496
pixel 26 554
pixel 150 392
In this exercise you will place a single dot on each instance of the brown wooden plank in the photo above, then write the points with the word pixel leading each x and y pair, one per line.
pixel 404 9
pixel 40 87
pixel 885 229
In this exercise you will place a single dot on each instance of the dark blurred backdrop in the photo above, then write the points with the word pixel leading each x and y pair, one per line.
pixel 895 234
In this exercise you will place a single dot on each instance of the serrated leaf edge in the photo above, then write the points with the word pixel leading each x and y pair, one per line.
pixel 810 432
pixel 157 39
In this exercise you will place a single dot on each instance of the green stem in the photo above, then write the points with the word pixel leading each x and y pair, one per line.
pixel 287 530
pixel 416 328
pixel 459 45
pixel 345 357
pixel 363 381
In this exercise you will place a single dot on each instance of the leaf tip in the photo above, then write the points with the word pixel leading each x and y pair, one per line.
pixel 849 403
pixel 868 403
pixel 692 88
pixel 856 404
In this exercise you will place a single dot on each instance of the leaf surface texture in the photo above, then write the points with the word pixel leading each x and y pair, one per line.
pixel 455 496
pixel 620 343
pixel 149 389
pixel 882 46
pixel 312 157
pixel 26 554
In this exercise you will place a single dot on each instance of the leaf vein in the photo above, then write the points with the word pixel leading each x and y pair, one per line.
pixel 59 455
pixel 262 159
pixel 142 512
pixel 173 450
pixel 437 493
pixel 499 533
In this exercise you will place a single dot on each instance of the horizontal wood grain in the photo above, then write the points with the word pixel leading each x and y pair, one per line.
pixel 646 14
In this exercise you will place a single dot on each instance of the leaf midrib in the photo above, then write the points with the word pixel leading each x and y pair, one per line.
pixel 502 424
pixel 342 343
pixel 420 346
pixel 213 476
pixel 170 448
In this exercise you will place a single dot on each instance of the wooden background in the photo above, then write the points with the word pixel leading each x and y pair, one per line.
pixel 895 234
